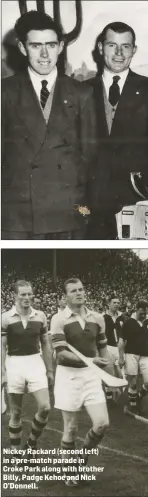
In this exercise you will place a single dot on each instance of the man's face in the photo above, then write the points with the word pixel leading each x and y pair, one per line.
pixel 42 49
pixel 24 296
pixel 75 294
pixel 114 305
pixel 141 314
pixel 117 50
pixel 129 308
pixel 36 303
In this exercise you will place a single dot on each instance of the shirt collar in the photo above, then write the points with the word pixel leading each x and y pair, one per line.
pixel 108 76
pixel 116 316
pixel 69 312
pixel 37 78
pixel 134 316
pixel 15 312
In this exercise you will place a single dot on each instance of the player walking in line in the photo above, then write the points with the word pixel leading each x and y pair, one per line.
pixel 133 351
pixel 24 329
pixel 112 317
pixel 75 383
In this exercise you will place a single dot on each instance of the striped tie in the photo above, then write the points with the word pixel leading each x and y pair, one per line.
pixel 114 91
pixel 44 93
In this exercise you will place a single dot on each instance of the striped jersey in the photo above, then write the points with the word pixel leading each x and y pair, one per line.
pixel 23 338
pixel 86 334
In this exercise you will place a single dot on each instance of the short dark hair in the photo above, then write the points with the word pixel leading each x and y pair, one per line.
pixel 112 297
pixel 69 281
pixel 34 20
pixel 118 27
pixel 20 283
pixel 141 304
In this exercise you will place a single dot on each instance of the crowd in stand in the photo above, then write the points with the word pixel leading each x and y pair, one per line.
pixel 102 272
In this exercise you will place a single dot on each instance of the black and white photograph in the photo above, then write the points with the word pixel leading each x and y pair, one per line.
pixel 74 372
pixel 75 120
pixel 74 248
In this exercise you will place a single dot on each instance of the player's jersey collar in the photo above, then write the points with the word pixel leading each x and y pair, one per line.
pixel 14 312
pixel 116 316
pixel 69 312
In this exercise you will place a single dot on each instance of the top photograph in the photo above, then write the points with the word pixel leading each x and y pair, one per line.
pixel 74 120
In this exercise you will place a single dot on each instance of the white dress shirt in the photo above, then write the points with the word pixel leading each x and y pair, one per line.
pixel 37 78
pixel 108 79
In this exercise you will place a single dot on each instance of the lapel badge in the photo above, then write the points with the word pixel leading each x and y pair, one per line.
pixel 69 105
pixel 137 92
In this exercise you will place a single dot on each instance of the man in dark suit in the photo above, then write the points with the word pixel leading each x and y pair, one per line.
pixel 47 143
pixel 121 99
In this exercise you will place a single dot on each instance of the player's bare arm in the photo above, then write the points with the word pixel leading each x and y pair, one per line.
pixel 47 355
pixel 121 347
pixel 104 355
pixel 63 355
pixel 67 358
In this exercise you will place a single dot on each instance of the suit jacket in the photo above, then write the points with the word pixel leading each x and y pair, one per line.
pixel 44 168
pixel 125 150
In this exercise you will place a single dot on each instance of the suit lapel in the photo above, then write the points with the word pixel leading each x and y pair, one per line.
pixel 55 122
pixel 62 111
pixel 99 104
pixel 129 101
pixel 31 112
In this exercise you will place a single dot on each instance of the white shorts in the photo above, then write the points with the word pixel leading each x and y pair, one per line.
pixel 25 370
pixel 136 364
pixel 76 387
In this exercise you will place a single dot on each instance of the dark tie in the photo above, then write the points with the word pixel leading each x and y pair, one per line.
pixel 44 93
pixel 114 91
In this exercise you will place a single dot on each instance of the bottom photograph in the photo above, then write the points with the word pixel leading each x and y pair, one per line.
pixel 74 371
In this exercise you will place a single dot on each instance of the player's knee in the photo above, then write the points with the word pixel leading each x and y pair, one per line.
pixel 105 423
pixel 15 415
pixel 132 389
pixel 44 410
pixel 132 385
pixel 102 425
pixel 70 431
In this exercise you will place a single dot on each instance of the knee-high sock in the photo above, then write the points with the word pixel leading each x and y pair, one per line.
pixel 91 440
pixel 68 446
pixel 132 397
pixel 109 393
pixel 38 425
pixel 15 434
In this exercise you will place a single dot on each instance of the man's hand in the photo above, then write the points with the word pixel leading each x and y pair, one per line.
pixel 121 362
pixel 101 362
